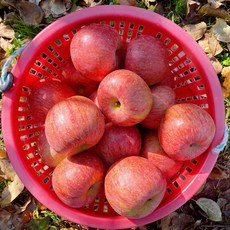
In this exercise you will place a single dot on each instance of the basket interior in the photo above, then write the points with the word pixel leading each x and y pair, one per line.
pixel 189 86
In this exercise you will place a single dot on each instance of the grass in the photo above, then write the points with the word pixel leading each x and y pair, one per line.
pixel 175 10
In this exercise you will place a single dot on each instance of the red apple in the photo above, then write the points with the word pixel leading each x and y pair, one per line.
pixel 163 98
pixel 186 131
pixel 74 125
pixel 82 85
pixel 48 155
pixel 93 97
pixel 78 180
pixel 124 98
pixel 95 50
pixel 168 81
pixel 152 150
pixel 44 94
pixel 134 187
pixel 149 58
pixel 118 142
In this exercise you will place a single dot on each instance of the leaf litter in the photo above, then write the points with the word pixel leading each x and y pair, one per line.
pixel 19 209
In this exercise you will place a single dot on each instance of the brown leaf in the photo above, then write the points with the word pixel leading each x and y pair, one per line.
pixel 221 202
pixel 225 92
pixel 31 13
pixel 221 30
pixel 176 221
pixel 192 15
pixel 35 1
pixel 6 170
pixel 5 222
pixel 217 173
pixel 5 44
pixel 216 64
pixel 127 2
pixel 210 45
pixel 57 8
pixel 11 191
pixel 214 4
pixel 6 31
pixel 197 31
pixel 226 75
pixel 207 10
pixel 3 154
pixel 227 194
pixel 166 221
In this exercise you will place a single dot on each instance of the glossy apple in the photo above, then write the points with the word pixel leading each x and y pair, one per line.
pixel 148 57
pixel 134 187
pixel 186 131
pixel 48 155
pixel 124 98
pixel 95 50
pixel 77 180
pixel 74 125
pixel 163 97
pixel 152 150
pixel 118 142
pixel 82 85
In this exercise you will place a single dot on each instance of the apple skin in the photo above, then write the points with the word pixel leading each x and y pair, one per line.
pixel 134 187
pixel 93 97
pixel 74 125
pixel 118 142
pixel 48 155
pixel 149 58
pixel 83 86
pixel 124 98
pixel 168 81
pixel 186 131
pixel 78 179
pixel 95 50
pixel 44 94
pixel 152 150
pixel 163 97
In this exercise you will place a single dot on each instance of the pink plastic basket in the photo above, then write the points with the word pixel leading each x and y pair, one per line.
pixel 195 82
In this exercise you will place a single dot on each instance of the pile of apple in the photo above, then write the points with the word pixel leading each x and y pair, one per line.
pixel 111 122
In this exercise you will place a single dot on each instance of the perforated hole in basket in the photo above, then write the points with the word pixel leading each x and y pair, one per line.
pixel 188 85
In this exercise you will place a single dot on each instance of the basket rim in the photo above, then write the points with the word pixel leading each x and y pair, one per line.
pixel 86 16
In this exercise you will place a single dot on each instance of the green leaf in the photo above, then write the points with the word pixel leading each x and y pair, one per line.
pixel 211 208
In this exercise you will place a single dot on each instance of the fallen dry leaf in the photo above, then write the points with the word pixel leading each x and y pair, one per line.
pixel 6 31
pixel 226 84
pixel 222 202
pixel 127 2
pixel 216 64
pixel 210 45
pixel 3 154
pixel 197 31
pixel 221 30
pixel 215 4
pixel 35 1
pixel 218 173
pixel 5 44
pixel 192 15
pixel 11 191
pixel 30 13
pixel 207 10
pixel 176 221
pixel 166 221
pixel 5 222
pixel 57 8
pixel 6 169
pixel 211 208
